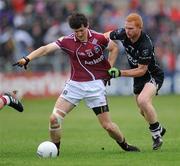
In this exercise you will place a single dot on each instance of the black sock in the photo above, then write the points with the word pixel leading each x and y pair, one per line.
pixel 125 146
pixel 122 144
pixel 154 126
pixel 58 146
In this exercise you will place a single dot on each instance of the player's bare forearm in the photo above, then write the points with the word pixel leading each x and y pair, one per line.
pixel 37 53
pixel 137 72
pixel 113 53
pixel 42 51
pixel 112 57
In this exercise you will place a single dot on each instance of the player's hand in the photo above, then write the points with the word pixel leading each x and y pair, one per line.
pixel 22 62
pixel 114 72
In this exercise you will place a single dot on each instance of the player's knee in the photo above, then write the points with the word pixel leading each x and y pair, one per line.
pixel 142 101
pixel 55 120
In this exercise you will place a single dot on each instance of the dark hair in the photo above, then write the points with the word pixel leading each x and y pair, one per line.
pixel 76 20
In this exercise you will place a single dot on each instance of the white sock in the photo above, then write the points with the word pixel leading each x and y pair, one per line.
pixel 7 99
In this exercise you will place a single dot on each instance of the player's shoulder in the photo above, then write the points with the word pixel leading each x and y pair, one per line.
pixel 146 40
pixel 118 34
pixel 120 31
pixel 68 37
pixel 145 37
pixel 65 39
pixel 100 37
pixel 96 34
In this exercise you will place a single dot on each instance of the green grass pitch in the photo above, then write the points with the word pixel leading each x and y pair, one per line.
pixel 83 138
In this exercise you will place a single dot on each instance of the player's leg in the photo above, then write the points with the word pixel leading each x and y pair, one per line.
pixel 1 102
pixel 61 108
pixel 112 129
pixel 97 101
pixel 144 102
pixel 10 100
pixel 68 99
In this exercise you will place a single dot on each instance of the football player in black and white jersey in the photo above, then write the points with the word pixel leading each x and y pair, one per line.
pixel 148 76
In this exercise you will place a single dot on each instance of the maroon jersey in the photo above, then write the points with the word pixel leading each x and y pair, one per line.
pixel 87 59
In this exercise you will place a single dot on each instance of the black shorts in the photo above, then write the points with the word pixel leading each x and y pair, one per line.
pixel 156 79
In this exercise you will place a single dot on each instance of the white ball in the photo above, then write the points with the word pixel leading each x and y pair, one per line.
pixel 47 149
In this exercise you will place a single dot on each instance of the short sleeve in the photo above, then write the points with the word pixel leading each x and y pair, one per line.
pixel 117 34
pixel 59 41
pixel 103 41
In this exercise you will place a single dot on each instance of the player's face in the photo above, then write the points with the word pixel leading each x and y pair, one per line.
pixel 132 31
pixel 81 33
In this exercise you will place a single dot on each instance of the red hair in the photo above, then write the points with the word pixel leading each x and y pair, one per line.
pixel 136 18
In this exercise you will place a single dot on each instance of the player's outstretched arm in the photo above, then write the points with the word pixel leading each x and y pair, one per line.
pixel 113 52
pixel 44 50
pixel 136 72
pixel 113 49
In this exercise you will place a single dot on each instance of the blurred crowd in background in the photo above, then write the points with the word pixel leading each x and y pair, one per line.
pixel 26 25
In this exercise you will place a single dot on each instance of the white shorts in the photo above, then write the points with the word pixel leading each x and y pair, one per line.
pixel 93 92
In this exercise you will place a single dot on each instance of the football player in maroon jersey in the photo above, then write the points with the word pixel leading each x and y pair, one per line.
pixel 89 68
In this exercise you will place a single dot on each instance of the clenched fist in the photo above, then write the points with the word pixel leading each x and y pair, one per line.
pixel 114 72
